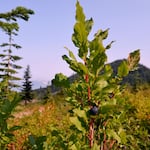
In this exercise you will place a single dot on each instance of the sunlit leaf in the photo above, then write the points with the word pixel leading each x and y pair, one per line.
pixel 83 68
pixel 123 69
pixel 79 13
pixel 75 121
pixel 113 134
pixel 71 54
pixel 89 24
pixel 80 113
pixel 133 59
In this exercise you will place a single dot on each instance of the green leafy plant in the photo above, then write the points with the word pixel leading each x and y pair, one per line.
pixel 6 108
pixel 6 132
pixel 9 25
pixel 36 143
pixel 8 98
pixel 96 114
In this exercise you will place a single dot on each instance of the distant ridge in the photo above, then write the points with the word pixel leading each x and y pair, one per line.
pixel 138 77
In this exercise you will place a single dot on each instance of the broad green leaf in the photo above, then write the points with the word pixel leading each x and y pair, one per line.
pixel 80 113
pixel 79 38
pixel 97 63
pixel 80 33
pixel 123 69
pixel 101 83
pixel 78 67
pixel 4 126
pixel 71 54
pixel 6 107
pixel 73 147
pixel 108 71
pixel 15 128
pixel 73 64
pixel 109 45
pixel 15 101
pixel 79 13
pixel 109 89
pixel 122 135
pixel 75 121
pixel 98 87
pixel 133 59
pixel 32 140
pixel 102 34
pixel 66 58
pixel 89 24
pixel 96 45
pixel 113 134
pixel 82 68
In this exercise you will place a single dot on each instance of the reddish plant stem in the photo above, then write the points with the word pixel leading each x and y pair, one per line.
pixel 105 141
pixel 11 146
pixel 89 89
pixel 89 94
pixel 91 123
pixel 87 81
pixel 111 144
pixel 91 133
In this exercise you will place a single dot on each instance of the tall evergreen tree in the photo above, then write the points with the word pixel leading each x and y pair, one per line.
pixel 27 86
pixel 8 24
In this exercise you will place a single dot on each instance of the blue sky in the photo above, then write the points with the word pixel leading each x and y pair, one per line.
pixel 44 36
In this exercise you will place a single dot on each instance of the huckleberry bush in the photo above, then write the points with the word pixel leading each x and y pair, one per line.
pixel 96 117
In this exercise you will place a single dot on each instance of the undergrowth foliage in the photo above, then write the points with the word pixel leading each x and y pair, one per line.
pixel 8 69
pixel 6 109
pixel 97 117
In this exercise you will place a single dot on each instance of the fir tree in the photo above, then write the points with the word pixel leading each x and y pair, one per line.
pixel 8 24
pixel 27 86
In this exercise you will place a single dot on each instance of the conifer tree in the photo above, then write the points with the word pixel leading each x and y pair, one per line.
pixel 8 24
pixel 27 86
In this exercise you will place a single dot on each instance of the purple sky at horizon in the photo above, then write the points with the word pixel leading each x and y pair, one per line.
pixel 44 36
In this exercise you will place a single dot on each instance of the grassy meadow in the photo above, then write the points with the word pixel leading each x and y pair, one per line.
pixel 39 119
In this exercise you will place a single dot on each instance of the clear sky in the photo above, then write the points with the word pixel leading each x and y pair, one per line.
pixel 44 36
